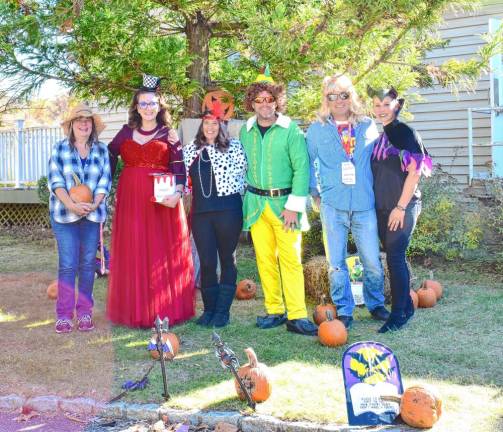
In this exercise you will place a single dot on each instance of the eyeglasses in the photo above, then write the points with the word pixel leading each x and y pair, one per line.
pixel 145 105
pixel 334 96
pixel 266 99
pixel 83 119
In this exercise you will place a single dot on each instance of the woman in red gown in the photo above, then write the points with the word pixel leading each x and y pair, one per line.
pixel 151 270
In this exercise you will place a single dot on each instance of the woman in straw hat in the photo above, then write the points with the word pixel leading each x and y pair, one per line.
pixel 151 270
pixel 78 159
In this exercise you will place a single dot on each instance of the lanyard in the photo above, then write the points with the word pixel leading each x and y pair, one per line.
pixel 348 140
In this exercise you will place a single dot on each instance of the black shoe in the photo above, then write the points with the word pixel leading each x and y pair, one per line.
pixel 380 313
pixel 302 326
pixel 270 321
pixel 346 320
pixel 205 319
pixel 209 296
pixel 394 322
pixel 224 301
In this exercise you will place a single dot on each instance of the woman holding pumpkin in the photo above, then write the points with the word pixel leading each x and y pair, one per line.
pixel 151 271
pixel 79 179
pixel 398 160
pixel 216 166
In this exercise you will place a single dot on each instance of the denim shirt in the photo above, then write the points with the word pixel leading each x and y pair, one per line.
pixel 326 156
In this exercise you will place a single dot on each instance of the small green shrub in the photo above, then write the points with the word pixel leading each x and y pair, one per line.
pixel 43 190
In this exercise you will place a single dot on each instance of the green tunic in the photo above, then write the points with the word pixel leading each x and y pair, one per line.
pixel 276 161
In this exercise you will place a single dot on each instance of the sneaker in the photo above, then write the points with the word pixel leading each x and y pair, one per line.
pixel 302 326
pixel 85 323
pixel 270 321
pixel 64 326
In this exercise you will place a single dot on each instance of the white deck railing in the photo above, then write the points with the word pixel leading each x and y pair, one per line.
pixel 24 154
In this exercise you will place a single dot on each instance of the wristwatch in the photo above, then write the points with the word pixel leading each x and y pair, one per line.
pixel 399 207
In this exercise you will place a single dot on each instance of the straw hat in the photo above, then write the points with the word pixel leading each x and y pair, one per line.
pixel 82 110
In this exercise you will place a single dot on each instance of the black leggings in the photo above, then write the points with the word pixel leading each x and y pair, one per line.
pixel 217 233
pixel 395 244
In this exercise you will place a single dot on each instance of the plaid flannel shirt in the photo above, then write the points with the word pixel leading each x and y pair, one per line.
pixel 95 174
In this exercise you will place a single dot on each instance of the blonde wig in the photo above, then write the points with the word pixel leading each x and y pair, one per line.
pixel 341 83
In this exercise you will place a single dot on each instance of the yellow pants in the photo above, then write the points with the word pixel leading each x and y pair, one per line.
pixel 279 265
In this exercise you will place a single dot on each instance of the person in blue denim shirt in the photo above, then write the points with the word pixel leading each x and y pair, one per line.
pixel 340 145
pixel 76 225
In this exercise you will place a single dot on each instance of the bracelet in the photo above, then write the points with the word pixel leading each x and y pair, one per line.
pixel 399 207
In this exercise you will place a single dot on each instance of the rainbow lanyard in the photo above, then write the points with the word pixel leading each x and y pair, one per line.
pixel 348 139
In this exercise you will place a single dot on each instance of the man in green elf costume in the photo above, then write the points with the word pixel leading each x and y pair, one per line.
pixel 274 204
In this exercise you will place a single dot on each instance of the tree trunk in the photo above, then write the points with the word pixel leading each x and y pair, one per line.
pixel 198 38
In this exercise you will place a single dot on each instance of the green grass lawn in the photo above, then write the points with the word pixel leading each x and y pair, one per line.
pixel 456 346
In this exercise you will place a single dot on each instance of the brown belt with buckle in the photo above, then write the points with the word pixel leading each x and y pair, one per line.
pixel 272 193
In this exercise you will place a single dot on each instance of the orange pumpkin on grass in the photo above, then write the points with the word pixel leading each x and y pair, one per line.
pixel 52 290
pixel 427 297
pixel 434 285
pixel 255 377
pixel 80 192
pixel 320 311
pixel 332 332
pixel 420 406
pixel 246 289
pixel 171 340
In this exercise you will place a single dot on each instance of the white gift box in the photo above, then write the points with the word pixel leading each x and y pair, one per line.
pixel 164 186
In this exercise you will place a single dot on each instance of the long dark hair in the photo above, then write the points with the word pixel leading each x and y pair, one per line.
pixel 221 141
pixel 134 118
pixel 90 141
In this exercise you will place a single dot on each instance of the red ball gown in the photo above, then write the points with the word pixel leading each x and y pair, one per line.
pixel 151 270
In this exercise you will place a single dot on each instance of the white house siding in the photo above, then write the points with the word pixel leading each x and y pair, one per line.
pixel 441 118
pixel 114 119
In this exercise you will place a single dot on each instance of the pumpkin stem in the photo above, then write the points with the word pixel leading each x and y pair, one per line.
pixel 252 357
pixel 330 316
pixel 390 398
pixel 76 179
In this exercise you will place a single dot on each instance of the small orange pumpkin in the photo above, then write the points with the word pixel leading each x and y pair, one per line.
pixel 332 332
pixel 167 338
pixel 434 285
pixel 255 377
pixel 226 101
pixel 427 297
pixel 320 311
pixel 52 290
pixel 415 298
pixel 246 289
pixel 420 407
pixel 80 192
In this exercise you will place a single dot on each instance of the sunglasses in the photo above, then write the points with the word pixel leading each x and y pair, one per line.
pixel 334 96
pixel 266 99
pixel 145 105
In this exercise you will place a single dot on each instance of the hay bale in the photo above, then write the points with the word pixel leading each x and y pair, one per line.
pixel 316 278
pixel 317 283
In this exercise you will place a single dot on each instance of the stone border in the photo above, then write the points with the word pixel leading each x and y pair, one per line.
pixel 154 412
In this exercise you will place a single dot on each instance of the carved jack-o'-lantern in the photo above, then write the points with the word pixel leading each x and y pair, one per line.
pixel 225 99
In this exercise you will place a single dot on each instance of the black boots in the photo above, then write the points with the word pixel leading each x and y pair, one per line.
pixel 209 296
pixel 224 301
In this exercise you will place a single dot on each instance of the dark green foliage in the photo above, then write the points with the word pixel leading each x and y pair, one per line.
pixel 43 190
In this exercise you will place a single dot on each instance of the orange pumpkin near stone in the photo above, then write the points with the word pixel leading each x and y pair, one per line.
pixel 332 332
pixel 427 297
pixel 415 298
pixel 434 285
pixel 80 192
pixel 420 407
pixel 320 311
pixel 52 290
pixel 166 337
pixel 246 289
pixel 255 377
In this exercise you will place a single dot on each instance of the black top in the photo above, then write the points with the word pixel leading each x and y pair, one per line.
pixel 205 177
pixel 389 177
pixel 263 129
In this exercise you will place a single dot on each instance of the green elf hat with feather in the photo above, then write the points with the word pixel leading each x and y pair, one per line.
pixel 264 75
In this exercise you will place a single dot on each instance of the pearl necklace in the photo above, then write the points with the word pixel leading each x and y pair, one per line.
pixel 211 174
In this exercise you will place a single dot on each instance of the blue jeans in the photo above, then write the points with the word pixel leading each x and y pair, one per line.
pixel 395 244
pixel 77 246
pixel 363 225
